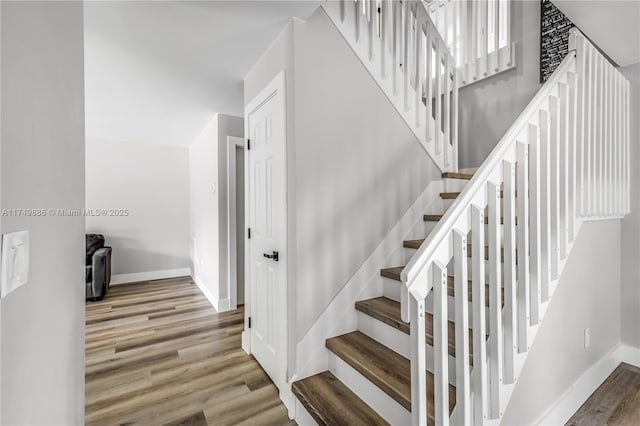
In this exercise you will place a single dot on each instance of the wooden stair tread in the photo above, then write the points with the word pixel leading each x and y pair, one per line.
pixel 330 402
pixel 438 217
pixel 387 369
pixel 454 195
pixel 449 195
pixel 388 311
pixel 415 244
pixel 392 273
pixel 457 175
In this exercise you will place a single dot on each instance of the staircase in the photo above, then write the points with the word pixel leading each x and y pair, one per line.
pixel 448 337
pixel 327 399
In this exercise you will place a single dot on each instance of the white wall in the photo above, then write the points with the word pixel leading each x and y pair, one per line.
pixel 42 166
pixel 227 126
pixel 587 296
pixel 358 166
pixel 354 167
pixel 489 107
pixel 152 183
pixel 208 166
pixel 630 293
pixel 203 169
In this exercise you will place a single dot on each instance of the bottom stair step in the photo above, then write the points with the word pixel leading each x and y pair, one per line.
pixel 330 402
pixel 387 369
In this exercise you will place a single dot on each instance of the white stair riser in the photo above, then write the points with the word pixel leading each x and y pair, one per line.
pixel 371 394
pixel 454 185
pixel 303 418
pixel 391 289
pixel 398 341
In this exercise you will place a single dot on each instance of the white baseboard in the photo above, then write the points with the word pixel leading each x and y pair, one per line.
pixel 340 315
pixel 215 303
pixel 579 392
pixel 150 275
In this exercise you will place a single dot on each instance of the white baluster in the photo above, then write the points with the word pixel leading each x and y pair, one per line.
pixel 509 264
pixel 554 184
pixel 454 121
pixel 440 344
pixel 478 298
pixel 606 141
pixel 438 95
pixel 418 361
pixel 545 206
pixel 522 226
pixel 563 167
pixel 599 187
pixel 484 38
pixel 618 143
pixel 465 44
pixel 593 166
pixel 419 81
pixel 461 292
pixel 447 110
pixel 473 39
pixel 535 226
pixel 429 82
pixel 405 61
pixel 358 15
pixel 372 9
pixel 496 35
pixel 572 154
pixel 508 35
pixel 495 299
pixel 627 191
pixel 582 137
pixel 384 38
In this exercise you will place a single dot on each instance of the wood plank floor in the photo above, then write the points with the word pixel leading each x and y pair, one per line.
pixel 615 402
pixel 157 353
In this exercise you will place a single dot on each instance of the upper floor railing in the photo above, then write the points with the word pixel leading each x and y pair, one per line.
pixel 478 34
pixel 401 47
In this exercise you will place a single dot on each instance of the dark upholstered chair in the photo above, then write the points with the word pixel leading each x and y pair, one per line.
pixel 97 267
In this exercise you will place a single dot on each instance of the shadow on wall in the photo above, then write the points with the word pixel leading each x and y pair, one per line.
pixel 129 257
pixel 488 108
pixel 337 245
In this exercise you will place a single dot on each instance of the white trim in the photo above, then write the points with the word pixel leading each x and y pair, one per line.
pixel 150 275
pixel 207 293
pixel 630 355
pixel 340 316
pixel 233 142
pixel 579 392
pixel 303 418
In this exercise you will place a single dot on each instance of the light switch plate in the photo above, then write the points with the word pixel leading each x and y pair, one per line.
pixel 15 261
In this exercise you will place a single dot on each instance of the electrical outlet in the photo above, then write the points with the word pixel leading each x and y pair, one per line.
pixel 587 337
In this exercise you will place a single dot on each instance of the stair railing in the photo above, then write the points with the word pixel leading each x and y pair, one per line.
pixel 401 48
pixel 478 33
pixel 564 160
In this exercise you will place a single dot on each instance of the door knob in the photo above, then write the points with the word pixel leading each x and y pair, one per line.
pixel 273 256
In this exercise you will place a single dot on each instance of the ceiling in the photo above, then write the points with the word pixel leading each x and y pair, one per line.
pixel 157 71
pixel 614 25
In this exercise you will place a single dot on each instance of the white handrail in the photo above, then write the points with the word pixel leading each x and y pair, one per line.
pixel 565 159
pixel 441 230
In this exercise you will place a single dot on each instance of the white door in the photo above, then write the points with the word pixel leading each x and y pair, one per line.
pixel 267 223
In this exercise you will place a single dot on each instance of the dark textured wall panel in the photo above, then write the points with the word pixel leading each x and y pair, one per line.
pixel 554 38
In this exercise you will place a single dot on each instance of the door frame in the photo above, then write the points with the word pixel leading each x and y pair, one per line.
pixel 278 84
pixel 233 142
